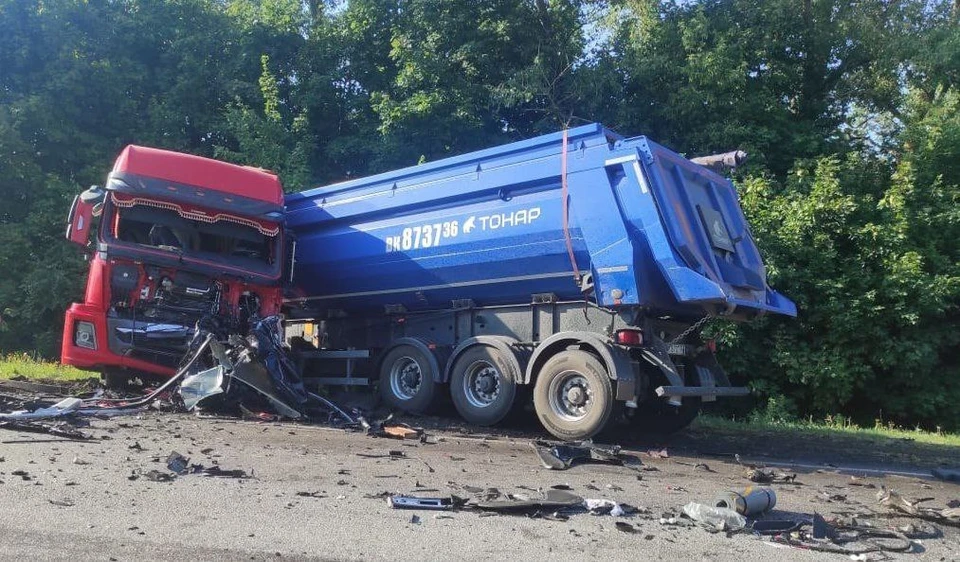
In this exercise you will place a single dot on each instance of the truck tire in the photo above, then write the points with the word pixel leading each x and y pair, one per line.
pixel 659 418
pixel 654 416
pixel 573 396
pixel 407 380
pixel 482 385
pixel 115 379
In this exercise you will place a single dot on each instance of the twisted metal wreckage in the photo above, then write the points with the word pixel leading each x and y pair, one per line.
pixel 221 370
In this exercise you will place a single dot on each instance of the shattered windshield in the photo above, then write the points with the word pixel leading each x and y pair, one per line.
pixel 167 230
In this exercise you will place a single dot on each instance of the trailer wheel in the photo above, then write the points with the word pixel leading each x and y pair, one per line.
pixel 407 379
pixel 655 416
pixel 573 396
pixel 482 385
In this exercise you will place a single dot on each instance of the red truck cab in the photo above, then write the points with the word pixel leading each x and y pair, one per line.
pixel 180 238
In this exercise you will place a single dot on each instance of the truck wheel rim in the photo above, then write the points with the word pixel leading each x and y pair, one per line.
pixel 481 385
pixel 570 396
pixel 405 378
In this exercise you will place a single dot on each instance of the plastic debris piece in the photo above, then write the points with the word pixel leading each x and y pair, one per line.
pixel 603 507
pixel 415 519
pixel 718 518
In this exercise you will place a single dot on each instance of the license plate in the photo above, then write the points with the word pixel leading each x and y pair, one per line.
pixel 681 349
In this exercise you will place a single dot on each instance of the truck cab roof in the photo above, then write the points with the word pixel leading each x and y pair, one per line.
pixel 190 170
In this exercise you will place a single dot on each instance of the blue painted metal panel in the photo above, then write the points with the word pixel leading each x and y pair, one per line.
pixel 654 229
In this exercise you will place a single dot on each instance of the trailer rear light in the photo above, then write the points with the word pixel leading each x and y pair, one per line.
pixel 712 346
pixel 629 337
pixel 85 335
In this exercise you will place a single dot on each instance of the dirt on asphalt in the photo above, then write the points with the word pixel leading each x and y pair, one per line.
pixel 318 493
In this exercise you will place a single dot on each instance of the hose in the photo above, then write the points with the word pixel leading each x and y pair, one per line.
pixel 147 399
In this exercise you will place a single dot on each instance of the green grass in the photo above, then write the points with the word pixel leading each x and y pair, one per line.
pixel 830 427
pixel 22 364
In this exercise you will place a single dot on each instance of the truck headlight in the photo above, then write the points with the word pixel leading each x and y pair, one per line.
pixel 85 335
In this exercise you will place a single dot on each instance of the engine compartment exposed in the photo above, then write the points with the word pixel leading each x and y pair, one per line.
pixel 153 311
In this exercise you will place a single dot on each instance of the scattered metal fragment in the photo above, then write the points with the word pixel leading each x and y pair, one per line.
pixel 626 527
pixel 411 502
pixel 318 495
pixel 822 529
pixel 62 503
pixel 552 500
pixel 216 471
pixel 561 456
pixel 750 502
pixel 415 519
pixel 775 526
pixel 200 386
pixel 177 463
pixel 60 429
pixel 897 503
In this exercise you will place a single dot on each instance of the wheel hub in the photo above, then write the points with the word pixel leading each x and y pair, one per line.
pixel 482 384
pixel 406 378
pixel 570 396
pixel 576 396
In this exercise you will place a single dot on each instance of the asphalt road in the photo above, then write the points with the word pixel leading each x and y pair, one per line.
pixel 80 503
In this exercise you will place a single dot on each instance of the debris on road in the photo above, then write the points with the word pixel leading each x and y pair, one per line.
pixel 896 502
pixel 551 500
pixel 157 476
pixel 59 429
pixel 775 526
pixel 604 507
pixel 411 502
pixel 177 463
pixel 751 502
pixel 561 456
pixel 715 518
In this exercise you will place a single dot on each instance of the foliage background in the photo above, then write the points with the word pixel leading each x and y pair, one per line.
pixel 850 111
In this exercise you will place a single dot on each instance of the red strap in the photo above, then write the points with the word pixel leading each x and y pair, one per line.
pixel 566 209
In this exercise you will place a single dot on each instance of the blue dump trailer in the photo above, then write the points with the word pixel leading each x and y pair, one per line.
pixel 577 267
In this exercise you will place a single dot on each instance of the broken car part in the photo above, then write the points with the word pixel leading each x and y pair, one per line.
pixel 552 500
pixel 561 456
pixel 204 384
pixel 411 502
pixel 750 502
